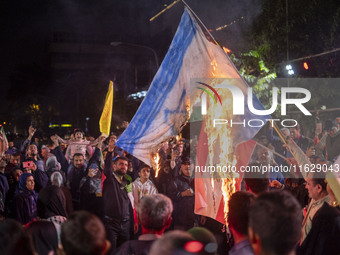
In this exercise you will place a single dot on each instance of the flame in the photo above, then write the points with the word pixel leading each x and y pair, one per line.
pixel 228 188
pixel 226 50
pixel 156 164
pixel 214 67
pixel 220 139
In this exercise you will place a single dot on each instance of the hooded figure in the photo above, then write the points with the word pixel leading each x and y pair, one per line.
pixel 25 200
pixel 51 206
pixel 57 180
pixel 44 237
pixel 51 202
pixel 52 164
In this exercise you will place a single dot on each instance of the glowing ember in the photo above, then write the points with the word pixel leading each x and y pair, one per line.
pixel 226 50
pixel 156 164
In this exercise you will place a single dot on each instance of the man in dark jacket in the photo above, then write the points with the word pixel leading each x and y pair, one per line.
pixel 303 142
pixel 74 178
pixel 182 193
pixel 117 208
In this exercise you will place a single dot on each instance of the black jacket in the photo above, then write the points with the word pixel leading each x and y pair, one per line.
pixel 183 215
pixel 116 203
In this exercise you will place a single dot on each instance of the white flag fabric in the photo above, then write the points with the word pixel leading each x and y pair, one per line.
pixel 166 106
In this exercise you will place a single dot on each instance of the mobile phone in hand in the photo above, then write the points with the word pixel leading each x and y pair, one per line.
pixel 28 164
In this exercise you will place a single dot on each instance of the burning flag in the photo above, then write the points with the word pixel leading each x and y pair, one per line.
pixel 192 61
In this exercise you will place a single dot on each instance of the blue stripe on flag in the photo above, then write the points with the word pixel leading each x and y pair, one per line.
pixel 161 86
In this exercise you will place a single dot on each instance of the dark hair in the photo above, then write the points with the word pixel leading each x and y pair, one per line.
pixel 239 205
pixel 276 218
pixel 77 130
pixel 120 158
pixel 15 154
pixel 143 166
pixel 14 240
pixel 258 182
pixel 44 236
pixel 83 234
pixel 319 178
pixel 78 155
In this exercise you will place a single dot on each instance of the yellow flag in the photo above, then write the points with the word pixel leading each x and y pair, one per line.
pixel 105 119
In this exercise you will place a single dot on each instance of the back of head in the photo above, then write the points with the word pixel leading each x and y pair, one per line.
pixel 83 234
pixel 319 178
pixel 14 240
pixel 276 219
pixel 52 164
pixel 155 211
pixel 173 243
pixel 51 202
pixel 44 236
pixel 56 179
pixel 238 214
pixel 255 179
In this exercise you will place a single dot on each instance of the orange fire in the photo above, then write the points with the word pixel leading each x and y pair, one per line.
pixel 156 164
pixel 220 140
pixel 226 50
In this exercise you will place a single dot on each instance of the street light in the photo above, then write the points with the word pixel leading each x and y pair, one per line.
pixel 115 44
pixel 290 70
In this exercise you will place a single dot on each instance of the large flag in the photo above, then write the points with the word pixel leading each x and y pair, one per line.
pixel 105 119
pixel 166 106
pixel 333 178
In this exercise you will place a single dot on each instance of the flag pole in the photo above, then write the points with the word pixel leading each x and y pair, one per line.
pixel 201 23
pixel 274 152
pixel 283 139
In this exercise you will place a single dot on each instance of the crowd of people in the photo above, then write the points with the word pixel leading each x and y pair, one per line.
pixel 87 196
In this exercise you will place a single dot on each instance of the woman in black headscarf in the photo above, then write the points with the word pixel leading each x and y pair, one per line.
pixel 44 237
pixel 25 200
pixel 51 206
pixel 52 213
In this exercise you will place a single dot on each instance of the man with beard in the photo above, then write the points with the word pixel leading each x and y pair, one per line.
pixel 74 177
pixel 30 151
pixel 118 213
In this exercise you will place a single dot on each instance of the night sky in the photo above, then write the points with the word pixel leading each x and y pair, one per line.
pixel 27 25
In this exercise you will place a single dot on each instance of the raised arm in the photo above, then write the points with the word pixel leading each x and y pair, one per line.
pixel 108 160
pixel 97 152
pixel 60 140
pixel 24 146
pixel 59 154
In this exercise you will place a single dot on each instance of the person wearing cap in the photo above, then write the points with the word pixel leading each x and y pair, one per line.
pixel 182 193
